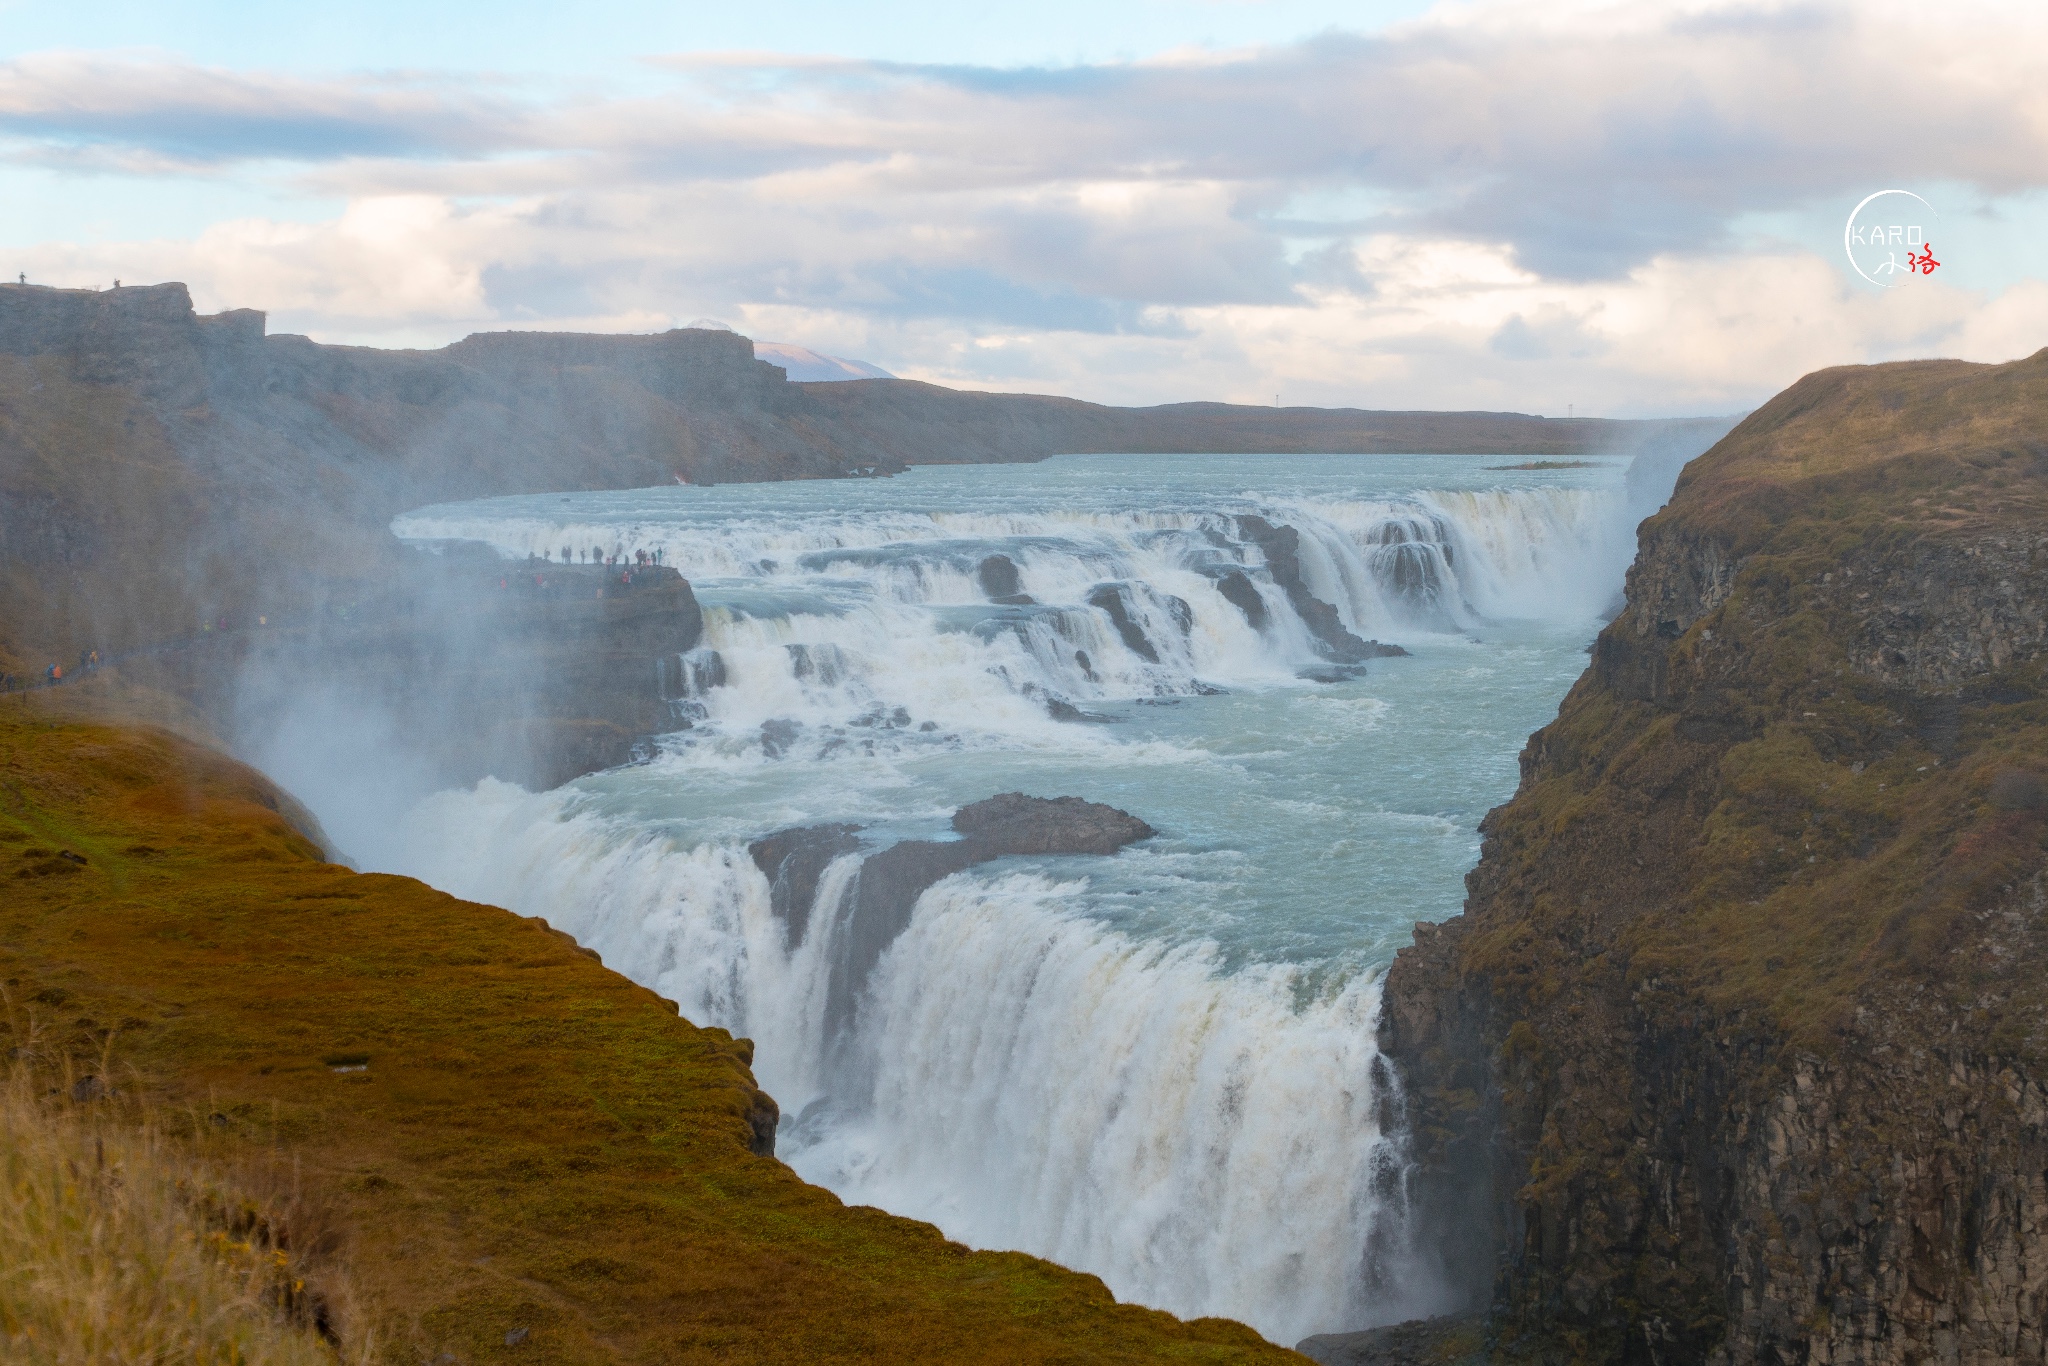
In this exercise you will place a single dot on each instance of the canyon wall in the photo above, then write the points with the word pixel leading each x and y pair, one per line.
pixel 1738 1052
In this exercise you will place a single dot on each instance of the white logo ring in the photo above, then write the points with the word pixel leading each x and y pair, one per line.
pixel 1849 230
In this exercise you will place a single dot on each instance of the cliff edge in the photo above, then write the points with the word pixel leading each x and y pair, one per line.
pixel 501 1150
pixel 1739 1052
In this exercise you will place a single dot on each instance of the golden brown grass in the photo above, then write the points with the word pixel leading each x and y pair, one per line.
pixel 1802 840
pixel 534 1144
pixel 1749 851
pixel 120 1245
pixel 1900 449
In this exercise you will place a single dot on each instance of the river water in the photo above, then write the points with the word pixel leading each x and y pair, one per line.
pixel 1157 1066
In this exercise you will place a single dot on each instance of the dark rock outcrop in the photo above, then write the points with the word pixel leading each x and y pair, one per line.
pixel 1114 599
pixel 1238 590
pixel 1281 545
pixel 1012 823
pixel 764 1116
pixel 1332 673
pixel 1003 826
pixel 1740 1050
pixel 1060 709
pixel 531 673
pixel 689 675
pixel 794 860
pixel 998 577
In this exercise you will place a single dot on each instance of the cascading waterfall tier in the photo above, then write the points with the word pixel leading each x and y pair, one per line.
pixel 971 621
pixel 1156 1065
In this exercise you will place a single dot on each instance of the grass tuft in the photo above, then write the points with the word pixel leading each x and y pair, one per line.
pixel 119 1244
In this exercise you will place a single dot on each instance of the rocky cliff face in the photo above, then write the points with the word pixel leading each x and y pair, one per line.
pixel 210 505
pixel 463 666
pixel 162 469
pixel 1738 1053
pixel 373 432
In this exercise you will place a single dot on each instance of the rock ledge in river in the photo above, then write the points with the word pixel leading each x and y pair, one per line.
pixel 891 881
pixel 1013 823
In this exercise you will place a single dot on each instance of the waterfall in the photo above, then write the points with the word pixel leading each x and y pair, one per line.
pixel 1159 1066
pixel 824 628
pixel 1207 1141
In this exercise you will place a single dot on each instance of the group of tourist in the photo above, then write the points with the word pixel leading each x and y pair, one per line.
pixel 596 556
pixel 53 673
pixel 644 559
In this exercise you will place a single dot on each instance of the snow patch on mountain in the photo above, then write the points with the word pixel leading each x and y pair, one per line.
pixel 802 363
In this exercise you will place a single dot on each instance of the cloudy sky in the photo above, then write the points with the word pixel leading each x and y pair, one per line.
pixel 1632 208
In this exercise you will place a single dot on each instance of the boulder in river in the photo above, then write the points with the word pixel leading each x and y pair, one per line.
pixel 1060 709
pixel 1002 826
pixel 999 579
pixel 1013 823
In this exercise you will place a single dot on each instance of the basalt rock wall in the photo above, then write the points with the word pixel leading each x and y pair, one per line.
pixel 1738 1052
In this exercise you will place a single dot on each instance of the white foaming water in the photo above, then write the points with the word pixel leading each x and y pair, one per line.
pixel 1118 1103
pixel 1159 1066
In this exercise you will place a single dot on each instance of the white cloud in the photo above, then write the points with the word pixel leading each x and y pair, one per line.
pixel 1507 205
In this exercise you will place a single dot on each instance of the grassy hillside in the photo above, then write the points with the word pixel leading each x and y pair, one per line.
pixel 505 1136
pixel 1750 1000
pixel 1847 793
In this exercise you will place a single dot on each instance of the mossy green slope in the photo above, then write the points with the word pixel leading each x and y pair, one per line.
pixel 1798 808
pixel 1751 994
pixel 532 1141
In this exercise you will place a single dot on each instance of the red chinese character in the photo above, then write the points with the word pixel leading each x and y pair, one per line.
pixel 1924 262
